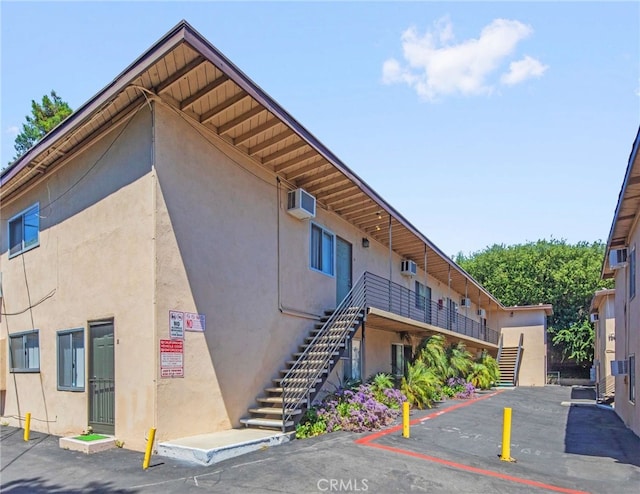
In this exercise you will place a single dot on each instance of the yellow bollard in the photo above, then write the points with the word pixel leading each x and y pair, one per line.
pixel 27 426
pixel 506 436
pixel 147 453
pixel 405 419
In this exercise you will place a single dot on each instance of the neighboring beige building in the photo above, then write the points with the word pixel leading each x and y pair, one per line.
pixel 163 266
pixel 620 264
pixel 602 315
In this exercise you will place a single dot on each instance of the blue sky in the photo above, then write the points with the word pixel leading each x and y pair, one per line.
pixel 482 123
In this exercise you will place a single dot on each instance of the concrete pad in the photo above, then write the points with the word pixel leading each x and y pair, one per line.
pixel 87 447
pixel 207 449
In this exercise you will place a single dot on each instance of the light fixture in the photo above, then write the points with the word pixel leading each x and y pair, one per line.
pixel 379 215
pixel 365 242
pixel 377 228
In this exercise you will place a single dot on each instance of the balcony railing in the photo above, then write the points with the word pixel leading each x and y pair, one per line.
pixel 389 296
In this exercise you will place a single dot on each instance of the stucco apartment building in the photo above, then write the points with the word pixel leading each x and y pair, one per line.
pixel 620 264
pixel 170 252
pixel 602 315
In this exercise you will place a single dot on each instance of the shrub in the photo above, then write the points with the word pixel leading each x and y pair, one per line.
pixel 356 410
pixel 420 385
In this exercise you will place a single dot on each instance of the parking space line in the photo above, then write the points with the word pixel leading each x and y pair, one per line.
pixel 368 441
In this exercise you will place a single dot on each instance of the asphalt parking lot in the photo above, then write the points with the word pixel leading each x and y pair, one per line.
pixel 454 447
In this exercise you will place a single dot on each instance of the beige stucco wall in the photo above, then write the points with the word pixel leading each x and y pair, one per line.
pixel 94 256
pixel 531 324
pixel 604 342
pixel 627 322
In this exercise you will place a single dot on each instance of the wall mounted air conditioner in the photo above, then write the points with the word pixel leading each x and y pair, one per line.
pixel 617 258
pixel 482 313
pixel 301 204
pixel 465 302
pixel 619 367
pixel 408 267
pixel 594 317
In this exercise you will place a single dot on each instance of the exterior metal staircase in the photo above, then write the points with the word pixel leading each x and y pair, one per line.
pixel 282 405
pixel 509 363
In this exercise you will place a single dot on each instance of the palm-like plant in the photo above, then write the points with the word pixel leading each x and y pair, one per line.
pixel 431 352
pixel 459 359
pixel 420 385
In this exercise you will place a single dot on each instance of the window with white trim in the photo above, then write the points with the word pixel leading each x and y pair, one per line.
pixel 322 249
pixel 24 351
pixel 71 360
pixel 24 231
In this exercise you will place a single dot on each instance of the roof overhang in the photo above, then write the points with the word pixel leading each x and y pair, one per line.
pixel 627 208
pixel 599 296
pixel 547 308
pixel 189 75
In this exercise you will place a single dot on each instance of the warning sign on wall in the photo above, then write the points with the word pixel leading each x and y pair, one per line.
pixel 194 322
pixel 176 325
pixel 171 358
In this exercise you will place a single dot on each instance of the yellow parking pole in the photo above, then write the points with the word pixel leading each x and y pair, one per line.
pixel 147 453
pixel 506 436
pixel 27 426
pixel 405 419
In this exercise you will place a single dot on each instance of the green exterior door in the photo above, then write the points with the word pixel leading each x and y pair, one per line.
pixel 343 269
pixel 101 378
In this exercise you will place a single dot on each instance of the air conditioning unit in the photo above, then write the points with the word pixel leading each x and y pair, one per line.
pixel 408 267
pixel 619 367
pixel 465 302
pixel 482 313
pixel 301 204
pixel 617 258
pixel 594 317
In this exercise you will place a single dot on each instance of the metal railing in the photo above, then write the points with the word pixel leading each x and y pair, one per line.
pixel 516 368
pixel 369 291
pixel 305 373
pixel 387 295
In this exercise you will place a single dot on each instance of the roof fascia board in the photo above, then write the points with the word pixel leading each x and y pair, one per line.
pixel 144 61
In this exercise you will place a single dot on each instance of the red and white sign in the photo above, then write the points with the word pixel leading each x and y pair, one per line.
pixel 194 322
pixel 171 358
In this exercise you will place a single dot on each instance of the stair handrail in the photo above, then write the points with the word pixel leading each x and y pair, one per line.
pixel 296 389
pixel 499 348
pixel 516 368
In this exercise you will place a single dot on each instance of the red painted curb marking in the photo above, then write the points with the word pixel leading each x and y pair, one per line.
pixel 367 441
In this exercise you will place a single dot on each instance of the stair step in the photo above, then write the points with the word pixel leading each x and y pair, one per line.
pixel 310 362
pixel 295 380
pixel 273 411
pixel 276 400
pixel 278 389
pixel 273 423
pixel 303 371
pixel 316 353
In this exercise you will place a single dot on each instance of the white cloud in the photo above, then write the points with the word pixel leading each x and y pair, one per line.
pixel 12 130
pixel 522 70
pixel 434 65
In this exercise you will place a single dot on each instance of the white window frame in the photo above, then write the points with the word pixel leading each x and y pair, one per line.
pixel 31 359
pixel 326 270
pixel 35 208
pixel 77 371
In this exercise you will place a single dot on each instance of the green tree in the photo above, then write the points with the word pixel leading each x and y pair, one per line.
pixel 44 117
pixel 546 271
